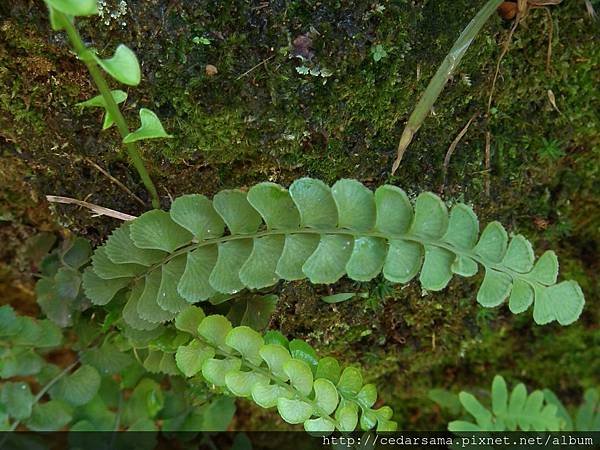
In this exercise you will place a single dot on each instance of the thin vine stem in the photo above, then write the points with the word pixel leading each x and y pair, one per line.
pixel 112 108
pixel 39 396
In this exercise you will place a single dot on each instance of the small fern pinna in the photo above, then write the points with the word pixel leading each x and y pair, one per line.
pixel 274 372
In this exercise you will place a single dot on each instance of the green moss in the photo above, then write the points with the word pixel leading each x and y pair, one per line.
pixel 235 129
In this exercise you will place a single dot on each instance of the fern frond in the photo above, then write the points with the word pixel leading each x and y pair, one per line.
pixel 587 417
pixel 167 260
pixel 521 411
pixel 273 373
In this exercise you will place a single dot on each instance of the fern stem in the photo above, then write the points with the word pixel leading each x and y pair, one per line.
pixel 336 231
pixel 39 396
pixel 85 55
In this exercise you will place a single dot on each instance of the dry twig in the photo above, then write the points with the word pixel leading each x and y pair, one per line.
pixel 114 180
pixel 99 210
pixel 451 149
pixel 488 145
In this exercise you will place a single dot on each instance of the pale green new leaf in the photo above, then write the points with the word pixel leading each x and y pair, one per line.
pixel 326 395
pixel 350 381
pixel 276 357
pixel 215 370
pixel 150 128
pixel 215 329
pixel 303 351
pixel 347 416
pixel 300 375
pixel 123 66
pixel 191 357
pixel 294 411
pixel 367 395
pixel 267 395
pixel 320 425
pixel 247 342
pixel 75 7
pixel 241 384
pixel 329 368
pixel 189 319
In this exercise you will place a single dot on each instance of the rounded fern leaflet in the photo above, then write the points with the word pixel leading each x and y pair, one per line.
pixel 164 261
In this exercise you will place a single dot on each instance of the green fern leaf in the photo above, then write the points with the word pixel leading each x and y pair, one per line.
pixel 261 368
pixel 18 399
pixel 509 412
pixel 77 388
pixel 74 7
pixel 321 233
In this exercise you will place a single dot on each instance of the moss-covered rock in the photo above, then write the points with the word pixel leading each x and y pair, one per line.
pixel 298 91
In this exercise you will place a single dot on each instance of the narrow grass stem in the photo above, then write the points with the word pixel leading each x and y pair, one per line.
pixel 441 77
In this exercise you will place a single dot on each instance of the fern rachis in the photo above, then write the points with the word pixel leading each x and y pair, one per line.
pixel 169 260
pixel 274 374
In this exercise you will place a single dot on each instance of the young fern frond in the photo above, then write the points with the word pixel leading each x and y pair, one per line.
pixel 167 260
pixel 587 417
pixel 521 411
pixel 267 370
